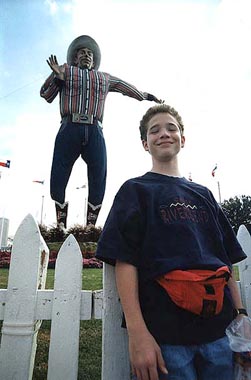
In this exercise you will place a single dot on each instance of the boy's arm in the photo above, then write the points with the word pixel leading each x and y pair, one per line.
pixel 145 354
pixel 235 292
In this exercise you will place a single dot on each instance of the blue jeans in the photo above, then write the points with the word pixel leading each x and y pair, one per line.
pixel 210 361
pixel 74 140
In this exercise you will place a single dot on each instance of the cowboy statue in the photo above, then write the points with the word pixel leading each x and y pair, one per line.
pixel 82 90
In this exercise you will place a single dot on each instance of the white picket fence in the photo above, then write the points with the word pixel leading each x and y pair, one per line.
pixel 25 303
pixel 244 238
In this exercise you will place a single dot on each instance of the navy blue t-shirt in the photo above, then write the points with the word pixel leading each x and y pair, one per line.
pixel 160 223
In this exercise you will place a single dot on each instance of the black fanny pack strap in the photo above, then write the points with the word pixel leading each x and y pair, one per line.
pixel 208 308
pixel 225 275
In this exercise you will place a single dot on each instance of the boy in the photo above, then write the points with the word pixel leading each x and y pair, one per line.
pixel 161 230
pixel 83 90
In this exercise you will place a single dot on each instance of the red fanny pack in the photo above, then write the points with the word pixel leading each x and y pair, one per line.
pixel 198 291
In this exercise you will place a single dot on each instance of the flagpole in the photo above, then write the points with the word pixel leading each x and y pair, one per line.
pixel 42 205
pixel 42 208
pixel 85 204
pixel 218 183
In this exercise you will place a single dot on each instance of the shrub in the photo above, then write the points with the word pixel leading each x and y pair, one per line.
pixel 85 233
pixel 89 261
pixel 82 234
pixel 5 259
pixel 88 249
pixel 44 231
pixel 55 234
pixel 86 237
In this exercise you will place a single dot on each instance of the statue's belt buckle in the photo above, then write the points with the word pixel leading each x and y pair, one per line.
pixel 82 118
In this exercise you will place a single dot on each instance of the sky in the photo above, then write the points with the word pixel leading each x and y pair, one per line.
pixel 194 54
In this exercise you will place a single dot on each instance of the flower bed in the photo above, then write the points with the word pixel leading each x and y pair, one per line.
pixel 89 261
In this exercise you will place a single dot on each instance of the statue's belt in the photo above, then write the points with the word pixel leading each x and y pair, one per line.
pixel 82 118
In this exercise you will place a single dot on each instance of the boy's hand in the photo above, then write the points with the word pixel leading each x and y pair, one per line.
pixel 56 68
pixel 145 357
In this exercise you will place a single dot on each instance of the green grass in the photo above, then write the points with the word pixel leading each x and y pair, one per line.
pixel 90 332
pixel 91 278
pixel 4 273
pixel 236 272
pixel 90 340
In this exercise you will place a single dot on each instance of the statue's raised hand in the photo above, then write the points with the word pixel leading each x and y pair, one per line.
pixel 56 68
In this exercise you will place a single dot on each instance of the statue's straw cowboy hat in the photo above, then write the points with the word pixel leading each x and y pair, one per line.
pixel 87 42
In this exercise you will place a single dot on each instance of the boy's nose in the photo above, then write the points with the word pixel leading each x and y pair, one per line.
pixel 164 132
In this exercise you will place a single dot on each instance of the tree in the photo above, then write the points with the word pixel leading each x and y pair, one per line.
pixel 238 210
pixel 81 233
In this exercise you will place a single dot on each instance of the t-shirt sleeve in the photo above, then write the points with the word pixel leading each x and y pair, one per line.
pixel 230 241
pixel 121 237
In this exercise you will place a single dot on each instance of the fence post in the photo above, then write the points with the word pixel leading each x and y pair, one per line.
pixel 244 238
pixel 115 356
pixel 64 341
pixel 27 272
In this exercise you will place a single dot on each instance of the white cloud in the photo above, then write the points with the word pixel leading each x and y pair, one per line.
pixel 53 6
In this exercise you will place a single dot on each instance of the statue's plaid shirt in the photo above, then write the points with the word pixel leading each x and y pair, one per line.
pixel 85 91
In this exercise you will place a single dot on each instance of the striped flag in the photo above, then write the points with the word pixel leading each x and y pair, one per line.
pixel 5 164
pixel 214 170
pixel 41 182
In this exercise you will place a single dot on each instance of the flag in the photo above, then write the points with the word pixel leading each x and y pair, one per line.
pixel 5 164
pixel 41 182
pixel 190 177
pixel 214 170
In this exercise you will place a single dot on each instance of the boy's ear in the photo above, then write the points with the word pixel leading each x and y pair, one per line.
pixel 145 146
pixel 183 139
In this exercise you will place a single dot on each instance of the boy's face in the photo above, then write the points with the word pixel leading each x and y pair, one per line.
pixel 84 58
pixel 164 139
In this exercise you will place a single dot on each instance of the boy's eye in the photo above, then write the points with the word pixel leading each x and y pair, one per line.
pixel 154 130
pixel 172 127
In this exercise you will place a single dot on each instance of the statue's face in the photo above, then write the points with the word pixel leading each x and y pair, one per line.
pixel 84 58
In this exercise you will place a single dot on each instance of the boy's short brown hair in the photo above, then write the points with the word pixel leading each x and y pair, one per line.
pixel 161 108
